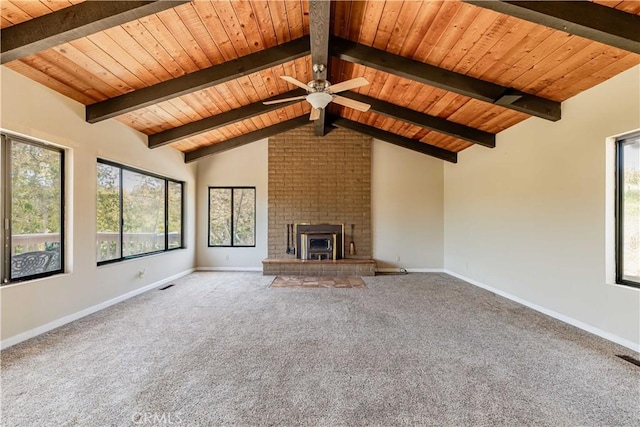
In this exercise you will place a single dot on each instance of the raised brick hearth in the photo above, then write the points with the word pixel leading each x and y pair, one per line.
pixel 338 268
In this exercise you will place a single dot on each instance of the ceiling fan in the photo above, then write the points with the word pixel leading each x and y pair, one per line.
pixel 321 92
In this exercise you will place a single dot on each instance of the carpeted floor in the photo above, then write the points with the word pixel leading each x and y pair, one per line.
pixel 226 349
pixel 317 282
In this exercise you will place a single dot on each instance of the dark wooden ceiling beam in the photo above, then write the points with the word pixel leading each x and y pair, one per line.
pixel 437 124
pixel 198 80
pixel 445 79
pixel 319 26
pixel 220 120
pixel 248 138
pixel 582 18
pixel 392 138
pixel 74 22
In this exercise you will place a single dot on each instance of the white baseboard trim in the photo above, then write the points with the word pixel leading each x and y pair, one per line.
pixel 424 270
pixel 87 311
pixel 409 270
pixel 566 319
pixel 229 269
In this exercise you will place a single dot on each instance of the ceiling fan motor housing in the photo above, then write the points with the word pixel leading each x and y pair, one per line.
pixel 319 85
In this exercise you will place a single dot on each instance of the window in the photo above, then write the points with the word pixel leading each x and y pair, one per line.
pixel 138 213
pixel 33 209
pixel 628 210
pixel 232 216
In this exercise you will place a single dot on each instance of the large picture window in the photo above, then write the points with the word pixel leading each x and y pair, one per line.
pixel 232 216
pixel 628 210
pixel 33 209
pixel 138 213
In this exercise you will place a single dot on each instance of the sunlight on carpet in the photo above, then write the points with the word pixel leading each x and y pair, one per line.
pixel 317 282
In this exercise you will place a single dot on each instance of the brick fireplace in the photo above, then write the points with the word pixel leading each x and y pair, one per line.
pixel 320 180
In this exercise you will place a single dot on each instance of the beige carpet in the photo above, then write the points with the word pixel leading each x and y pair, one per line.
pixel 225 349
pixel 317 282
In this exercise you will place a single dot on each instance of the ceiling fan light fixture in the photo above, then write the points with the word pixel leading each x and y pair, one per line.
pixel 319 99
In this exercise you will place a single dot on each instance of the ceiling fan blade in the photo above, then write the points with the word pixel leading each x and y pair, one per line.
pixel 351 103
pixel 277 101
pixel 295 82
pixel 315 114
pixel 349 84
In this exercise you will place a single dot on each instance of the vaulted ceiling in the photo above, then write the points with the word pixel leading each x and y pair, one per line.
pixel 443 75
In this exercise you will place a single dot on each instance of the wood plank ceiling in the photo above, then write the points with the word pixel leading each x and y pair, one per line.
pixel 444 75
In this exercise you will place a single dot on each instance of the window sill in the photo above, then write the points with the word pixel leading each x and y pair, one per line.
pixel 39 279
pixel 138 258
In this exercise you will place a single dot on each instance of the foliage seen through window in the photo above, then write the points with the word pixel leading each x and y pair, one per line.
pixel 137 213
pixel 232 216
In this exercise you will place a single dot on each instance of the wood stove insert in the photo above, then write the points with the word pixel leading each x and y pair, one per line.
pixel 319 241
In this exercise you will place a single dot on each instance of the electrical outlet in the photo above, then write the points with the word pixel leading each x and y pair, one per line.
pixel 398 258
pixel 227 258
pixel 141 273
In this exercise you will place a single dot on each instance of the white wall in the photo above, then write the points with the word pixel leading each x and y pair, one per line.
pixel 533 217
pixel 33 110
pixel 240 167
pixel 406 208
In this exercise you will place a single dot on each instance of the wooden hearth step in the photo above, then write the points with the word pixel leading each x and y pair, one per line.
pixel 335 268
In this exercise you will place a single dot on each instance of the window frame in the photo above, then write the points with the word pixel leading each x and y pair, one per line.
pixel 255 196
pixel 619 210
pixel 121 211
pixel 166 213
pixel 7 226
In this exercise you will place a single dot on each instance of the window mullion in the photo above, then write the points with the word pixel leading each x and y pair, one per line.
pixel 233 240
pixel 121 200
pixel 63 224
pixel 182 202
pixel 6 220
pixel 619 210
pixel 166 215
